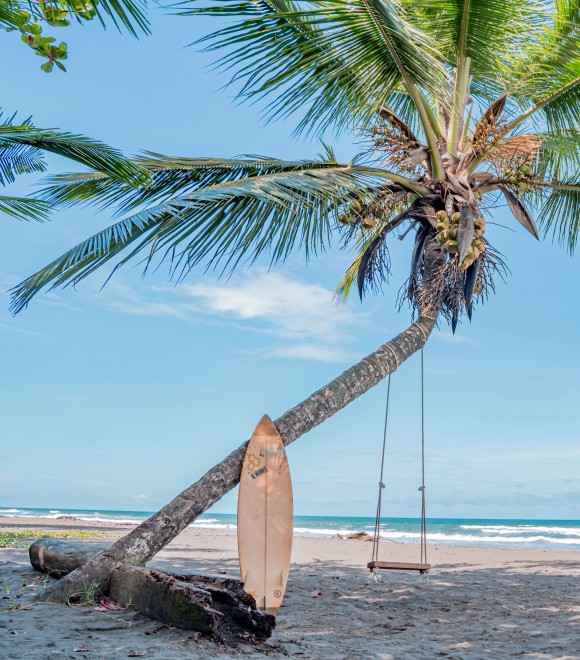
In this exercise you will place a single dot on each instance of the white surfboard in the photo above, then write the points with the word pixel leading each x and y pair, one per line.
pixel 265 517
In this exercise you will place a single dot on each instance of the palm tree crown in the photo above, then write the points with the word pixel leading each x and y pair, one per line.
pixel 462 103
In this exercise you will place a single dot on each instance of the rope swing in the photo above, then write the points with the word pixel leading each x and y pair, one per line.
pixel 375 563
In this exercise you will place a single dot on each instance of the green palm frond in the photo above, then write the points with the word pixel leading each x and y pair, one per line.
pixel 225 224
pixel 559 157
pixel 486 31
pixel 16 159
pixel 560 212
pixel 128 14
pixel 89 152
pixel 338 59
pixel 170 177
pixel 24 208
pixel 546 77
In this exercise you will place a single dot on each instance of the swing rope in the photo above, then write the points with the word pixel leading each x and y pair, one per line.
pixel 377 535
pixel 423 535
pixel 422 486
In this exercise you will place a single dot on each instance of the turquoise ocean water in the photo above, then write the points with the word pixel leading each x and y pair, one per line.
pixel 545 534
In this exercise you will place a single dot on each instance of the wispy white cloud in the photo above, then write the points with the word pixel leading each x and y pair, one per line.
pixel 450 338
pixel 292 309
pixel 316 352
pixel 302 317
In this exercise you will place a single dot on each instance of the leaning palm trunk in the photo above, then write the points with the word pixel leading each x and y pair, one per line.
pixel 151 536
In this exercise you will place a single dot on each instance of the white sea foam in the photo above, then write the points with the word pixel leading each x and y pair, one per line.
pixel 523 529
pixel 4 512
pixel 476 540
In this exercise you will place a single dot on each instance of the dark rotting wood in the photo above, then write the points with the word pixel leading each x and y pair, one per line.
pixel 215 606
pixel 399 566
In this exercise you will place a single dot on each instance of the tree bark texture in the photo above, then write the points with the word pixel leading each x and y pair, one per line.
pixel 151 536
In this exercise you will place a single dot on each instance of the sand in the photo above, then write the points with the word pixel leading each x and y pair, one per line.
pixel 476 603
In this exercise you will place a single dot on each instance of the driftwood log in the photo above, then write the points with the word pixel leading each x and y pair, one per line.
pixel 215 606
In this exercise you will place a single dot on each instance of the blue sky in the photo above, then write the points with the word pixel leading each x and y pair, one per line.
pixel 118 399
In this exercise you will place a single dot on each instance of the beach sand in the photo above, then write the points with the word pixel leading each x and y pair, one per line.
pixel 476 603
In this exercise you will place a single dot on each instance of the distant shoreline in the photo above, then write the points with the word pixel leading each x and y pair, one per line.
pixel 482 533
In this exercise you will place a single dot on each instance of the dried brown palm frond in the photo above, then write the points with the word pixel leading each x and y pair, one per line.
pixel 449 286
pixel 515 152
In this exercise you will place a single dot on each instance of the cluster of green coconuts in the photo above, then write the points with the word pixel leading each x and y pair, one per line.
pixel 359 212
pixel 447 232
pixel 519 177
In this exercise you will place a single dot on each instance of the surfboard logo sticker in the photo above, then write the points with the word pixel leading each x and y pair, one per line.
pixel 259 473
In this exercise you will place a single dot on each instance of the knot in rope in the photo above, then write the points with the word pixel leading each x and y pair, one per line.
pixel 381 484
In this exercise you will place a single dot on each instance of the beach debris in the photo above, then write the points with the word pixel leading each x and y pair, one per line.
pixel 108 605
pixel 81 649
pixel 356 536
pixel 59 558
pixel 316 594
pixel 19 607
pixel 214 606
pixel 136 654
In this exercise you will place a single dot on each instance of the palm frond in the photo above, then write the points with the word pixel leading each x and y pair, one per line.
pixel 128 14
pixel 338 59
pixel 24 208
pixel 19 159
pixel 560 213
pixel 225 223
pixel 488 32
pixel 89 152
pixel 546 79
pixel 170 177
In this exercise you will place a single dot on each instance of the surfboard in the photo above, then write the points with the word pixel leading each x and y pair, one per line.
pixel 265 517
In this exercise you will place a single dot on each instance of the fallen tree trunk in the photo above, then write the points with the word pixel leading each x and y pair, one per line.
pixel 215 606
pixel 146 540
pixel 59 558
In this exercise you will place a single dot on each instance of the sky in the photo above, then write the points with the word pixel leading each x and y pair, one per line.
pixel 119 398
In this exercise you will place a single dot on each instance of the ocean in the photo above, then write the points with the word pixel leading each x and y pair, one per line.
pixel 491 533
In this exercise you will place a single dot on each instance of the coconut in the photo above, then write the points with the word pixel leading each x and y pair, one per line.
pixel 466 263
pixel 526 170
pixel 479 223
pixel 451 246
pixel 368 223
pixel 456 217
pixel 355 206
pixel 347 219
pixel 441 215
pixel 442 226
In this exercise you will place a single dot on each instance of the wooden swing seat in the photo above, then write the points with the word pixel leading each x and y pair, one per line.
pixel 399 566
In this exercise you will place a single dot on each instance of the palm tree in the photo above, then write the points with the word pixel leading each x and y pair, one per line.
pixel 463 103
